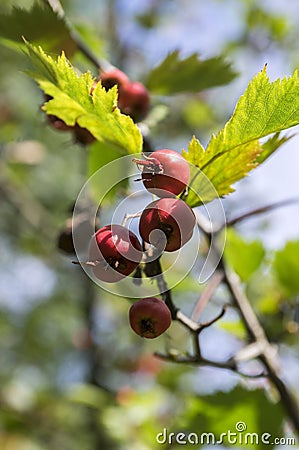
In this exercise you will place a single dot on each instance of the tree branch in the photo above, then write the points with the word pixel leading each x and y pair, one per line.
pixel 57 8
pixel 206 295
pixel 190 359
pixel 268 354
pixel 257 338
pixel 261 210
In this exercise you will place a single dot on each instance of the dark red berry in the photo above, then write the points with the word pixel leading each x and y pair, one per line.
pixel 164 173
pixel 83 136
pixel 115 251
pixel 149 317
pixel 134 100
pixel 171 216
pixel 56 123
pixel 113 77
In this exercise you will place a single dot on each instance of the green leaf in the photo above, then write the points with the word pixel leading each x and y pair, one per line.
pixel 265 108
pixel 87 394
pixel 212 178
pixel 221 412
pixel 271 145
pixel 191 74
pixel 245 257
pixel 73 103
pixel 198 114
pixel 39 24
pixel 286 268
pixel 107 181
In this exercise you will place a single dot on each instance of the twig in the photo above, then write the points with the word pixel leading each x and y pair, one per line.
pixel 187 322
pixel 206 295
pixel 261 210
pixel 154 269
pixel 263 349
pixel 190 359
pixel 211 322
pixel 268 354
pixel 57 8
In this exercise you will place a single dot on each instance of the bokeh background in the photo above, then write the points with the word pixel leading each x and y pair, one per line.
pixel 72 374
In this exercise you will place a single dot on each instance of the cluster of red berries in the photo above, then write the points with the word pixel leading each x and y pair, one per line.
pixel 133 97
pixel 133 100
pixel 167 224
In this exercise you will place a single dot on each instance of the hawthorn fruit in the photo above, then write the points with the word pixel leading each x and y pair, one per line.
pixel 165 172
pixel 115 252
pixel 149 317
pixel 173 217
pixel 113 77
pixel 134 100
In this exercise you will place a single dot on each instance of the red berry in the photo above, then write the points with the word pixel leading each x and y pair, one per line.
pixel 164 173
pixel 149 317
pixel 134 100
pixel 173 217
pixel 83 136
pixel 116 252
pixel 58 124
pixel 113 77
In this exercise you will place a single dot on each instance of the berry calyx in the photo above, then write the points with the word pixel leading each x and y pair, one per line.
pixel 134 100
pixel 171 216
pixel 114 253
pixel 164 173
pixel 113 77
pixel 149 317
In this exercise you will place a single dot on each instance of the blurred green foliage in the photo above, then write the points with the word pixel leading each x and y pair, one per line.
pixel 63 385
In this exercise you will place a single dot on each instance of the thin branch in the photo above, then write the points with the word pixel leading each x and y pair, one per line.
pixel 249 352
pixel 153 269
pixel 196 345
pixel 211 322
pixel 57 8
pixel 256 334
pixel 254 328
pixel 187 322
pixel 206 295
pixel 261 210
pixel 269 354
pixel 190 359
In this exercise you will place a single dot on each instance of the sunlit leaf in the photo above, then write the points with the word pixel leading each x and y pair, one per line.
pixel 271 145
pixel 244 256
pixel 265 108
pixel 105 182
pixel 286 268
pixel 73 103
